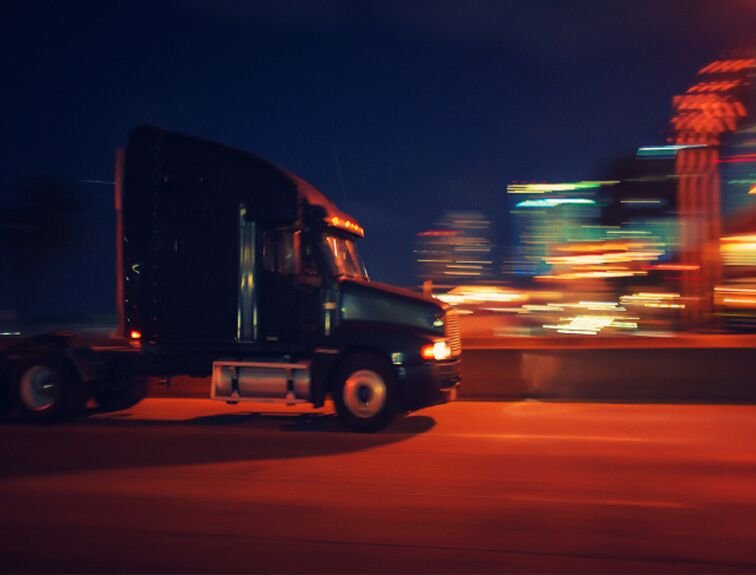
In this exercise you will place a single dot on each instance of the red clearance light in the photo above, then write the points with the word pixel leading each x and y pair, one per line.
pixel 135 334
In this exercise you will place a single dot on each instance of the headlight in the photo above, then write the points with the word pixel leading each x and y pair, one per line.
pixel 439 350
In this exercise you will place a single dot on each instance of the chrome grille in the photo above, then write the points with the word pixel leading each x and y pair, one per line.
pixel 452 332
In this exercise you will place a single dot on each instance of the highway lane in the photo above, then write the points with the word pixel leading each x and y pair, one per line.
pixel 179 485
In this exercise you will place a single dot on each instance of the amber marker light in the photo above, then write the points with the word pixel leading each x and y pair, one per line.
pixel 135 334
pixel 346 225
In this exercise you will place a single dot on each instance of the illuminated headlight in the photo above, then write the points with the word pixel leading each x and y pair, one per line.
pixel 439 350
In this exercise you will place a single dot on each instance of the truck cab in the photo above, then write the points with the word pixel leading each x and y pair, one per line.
pixel 235 268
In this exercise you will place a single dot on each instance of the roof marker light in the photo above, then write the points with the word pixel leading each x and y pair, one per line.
pixel 346 225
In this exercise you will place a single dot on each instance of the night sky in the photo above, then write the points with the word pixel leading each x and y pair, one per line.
pixel 396 110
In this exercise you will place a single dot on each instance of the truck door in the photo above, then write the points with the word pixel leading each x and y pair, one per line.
pixel 195 259
pixel 290 294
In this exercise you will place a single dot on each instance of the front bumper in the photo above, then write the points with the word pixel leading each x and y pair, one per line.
pixel 430 383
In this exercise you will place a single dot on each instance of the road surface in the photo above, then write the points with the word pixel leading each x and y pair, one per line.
pixel 187 485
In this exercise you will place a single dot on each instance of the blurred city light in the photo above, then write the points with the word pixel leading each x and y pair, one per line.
pixel 544 188
pixel 666 244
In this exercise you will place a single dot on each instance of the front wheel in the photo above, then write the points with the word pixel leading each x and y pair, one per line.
pixel 365 392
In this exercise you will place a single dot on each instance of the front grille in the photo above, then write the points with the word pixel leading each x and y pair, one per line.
pixel 452 332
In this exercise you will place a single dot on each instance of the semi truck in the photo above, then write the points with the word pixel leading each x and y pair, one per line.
pixel 232 268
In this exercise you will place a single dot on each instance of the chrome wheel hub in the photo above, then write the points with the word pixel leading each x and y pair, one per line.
pixel 365 393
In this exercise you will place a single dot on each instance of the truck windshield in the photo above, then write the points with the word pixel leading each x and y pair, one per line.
pixel 343 257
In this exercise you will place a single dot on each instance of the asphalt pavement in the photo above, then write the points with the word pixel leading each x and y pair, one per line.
pixel 188 485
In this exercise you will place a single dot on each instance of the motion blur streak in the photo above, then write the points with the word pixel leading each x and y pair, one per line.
pixel 668 238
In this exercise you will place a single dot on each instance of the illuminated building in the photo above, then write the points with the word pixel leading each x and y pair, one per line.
pixel 735 295
pixel 704 120
pixel 737 168
pixel 459 249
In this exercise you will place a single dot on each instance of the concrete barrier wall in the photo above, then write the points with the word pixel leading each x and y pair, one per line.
pixel 632 374
pixel 573 372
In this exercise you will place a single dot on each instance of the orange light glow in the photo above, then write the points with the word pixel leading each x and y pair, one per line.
pixel 747 301
pixel 660 300
pixel 438 351
pixel 749 238
pixel 135 334
pixel 346 225
pixel 480 294
pixel 599 247
pixel 675 267
pixel 735 296
pixel 598 259
pixel 731 65
pixel 427 352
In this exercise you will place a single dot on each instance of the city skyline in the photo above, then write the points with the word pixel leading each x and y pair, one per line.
pixel 395 110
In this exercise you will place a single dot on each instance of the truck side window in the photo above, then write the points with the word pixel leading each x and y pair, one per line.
pixel 286 258
pixel 269 251
pixel 309 263
pixel 279 254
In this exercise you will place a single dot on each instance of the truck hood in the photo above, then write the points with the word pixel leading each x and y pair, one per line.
pixel 393 290
pixel 383 303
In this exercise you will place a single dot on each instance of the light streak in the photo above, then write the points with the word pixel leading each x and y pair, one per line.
pixel 553 202
pixel 545 188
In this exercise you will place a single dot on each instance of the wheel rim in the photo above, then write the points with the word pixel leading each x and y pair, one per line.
pixel 365 393
pixel 39 388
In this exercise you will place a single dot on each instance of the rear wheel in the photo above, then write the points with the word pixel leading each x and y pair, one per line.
pixel 48 389
pixel 6 397
pixel 365 392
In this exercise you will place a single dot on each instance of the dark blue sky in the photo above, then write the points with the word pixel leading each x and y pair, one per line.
pixel 427 105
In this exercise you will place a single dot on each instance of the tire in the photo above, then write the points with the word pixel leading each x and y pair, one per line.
pixel 365 392
pixel 6 397
pixel 123 397
pixel 47 389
